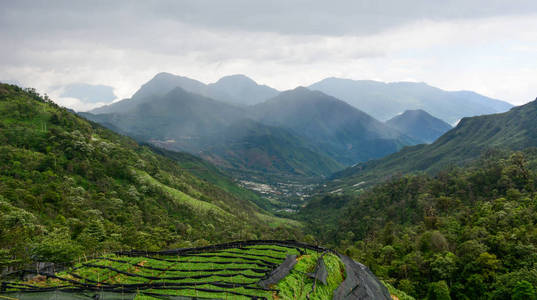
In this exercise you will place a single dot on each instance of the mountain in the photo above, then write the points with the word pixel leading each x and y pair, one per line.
pixel 160 85
pixel 419 125
pixel 512 130
pixel 338 129
pixel 178 115
pixel 184 121
pixel 239 89
pixel 70 187
pixel 234 89
pixel 385 100
pixel 470 227
pixel 249 147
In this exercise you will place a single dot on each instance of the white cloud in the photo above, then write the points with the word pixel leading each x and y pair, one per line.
pixel 491 52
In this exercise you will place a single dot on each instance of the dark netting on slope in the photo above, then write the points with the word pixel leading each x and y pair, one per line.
pixel 359 283
pixel 223 252
pixel 259 264
pixel 138 265
pixel 61 295
pixel 364 283
pixel 320 273
pixel 123 289
pixel 171 278
pixel 279 273
pixel 240 244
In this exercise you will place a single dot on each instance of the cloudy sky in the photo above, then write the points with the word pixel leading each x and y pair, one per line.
pixel 488 46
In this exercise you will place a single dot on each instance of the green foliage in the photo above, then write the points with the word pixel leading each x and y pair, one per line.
pixel 70 187
pixel 216 272
pixel 510 131
pixel 401 295
pixel 57 247
pixel 472 228
pixel 524 291
pixel 438 291
pixel 298 286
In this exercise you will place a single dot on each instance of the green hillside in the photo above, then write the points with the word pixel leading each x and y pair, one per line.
pixel 260 269
pixel 219 132
pixel 469 232
pixel 512 130
pixel 343 132
pixel 70 187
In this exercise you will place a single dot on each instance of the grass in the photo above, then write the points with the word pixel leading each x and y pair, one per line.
pixel 298 286
pixel 274 221
pixel 182 198
pixel 199 274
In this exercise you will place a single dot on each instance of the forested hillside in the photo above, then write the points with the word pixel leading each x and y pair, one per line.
pixel 70 187
pixel 512 130
pixel 468 232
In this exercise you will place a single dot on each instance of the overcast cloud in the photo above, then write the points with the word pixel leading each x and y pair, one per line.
pixel 486 46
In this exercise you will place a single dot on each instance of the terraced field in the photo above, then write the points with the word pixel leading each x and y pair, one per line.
pixel 226 271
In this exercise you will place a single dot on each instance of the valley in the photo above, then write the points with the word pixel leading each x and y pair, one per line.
pixel 276 150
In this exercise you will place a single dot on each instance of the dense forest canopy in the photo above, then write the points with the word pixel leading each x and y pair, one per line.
pixel 70 187
pixel 470 231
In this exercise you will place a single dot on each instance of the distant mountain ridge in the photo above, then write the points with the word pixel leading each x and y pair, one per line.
pixel 184 114
pixel 512 130
pixel 219 132
pixel 234 89
pixel 419 125
pixel 385 100
pixel 344 132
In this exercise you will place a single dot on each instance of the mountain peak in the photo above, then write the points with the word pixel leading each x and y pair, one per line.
pixel 236 78
pixel 384 100
pixel 419 124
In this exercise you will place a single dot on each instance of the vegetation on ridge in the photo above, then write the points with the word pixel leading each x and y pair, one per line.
pixel 70 187
pixel 468 233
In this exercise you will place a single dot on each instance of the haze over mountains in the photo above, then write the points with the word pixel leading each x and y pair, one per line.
pixel 234 89
pixel 249 128
pixel 474 136
pixel 338 129
pixel 419 125
pixel 385 100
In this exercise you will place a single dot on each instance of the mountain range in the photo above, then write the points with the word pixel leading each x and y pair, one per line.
pixel 253 129
pixel 386 100
pixel 70 187
pixel 217 131
pixel 233 89
pixel 472 137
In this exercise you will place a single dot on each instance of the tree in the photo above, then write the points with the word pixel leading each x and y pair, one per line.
pixel 524 291
pixel 438 291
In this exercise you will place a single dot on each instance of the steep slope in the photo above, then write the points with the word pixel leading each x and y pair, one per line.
pixel 385 100
pixel 248 147
pixel 179 116
pixel 512 130
pixel 218 131
pixel 419 125
pixel 69 186
pixel 338 129
pixel 160 85
pixel 470 227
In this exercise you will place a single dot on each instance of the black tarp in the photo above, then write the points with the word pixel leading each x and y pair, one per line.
pixel 320 273
pixel 279 273
pixel 360 283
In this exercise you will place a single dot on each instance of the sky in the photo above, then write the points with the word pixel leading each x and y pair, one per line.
pixel 489 47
